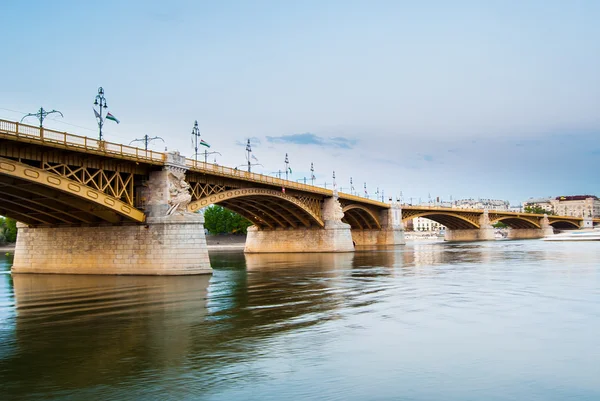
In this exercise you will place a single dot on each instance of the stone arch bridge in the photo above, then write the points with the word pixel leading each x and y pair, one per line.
pixel 89 206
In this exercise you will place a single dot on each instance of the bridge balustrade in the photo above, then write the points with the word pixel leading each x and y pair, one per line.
pixel 48 136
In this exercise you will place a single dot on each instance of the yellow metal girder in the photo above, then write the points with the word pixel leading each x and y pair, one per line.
pixel 254 192
pixel 44 178
pixel 362 209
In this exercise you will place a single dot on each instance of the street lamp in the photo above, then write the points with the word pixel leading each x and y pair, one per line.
pixel 249 157
pixel 366 193
pixel 351 187
pixel 248 151
pixel 100 101
pixel 312 174
pixel 287 166
pixel 197 140
pixel 41 114
pixel 146 140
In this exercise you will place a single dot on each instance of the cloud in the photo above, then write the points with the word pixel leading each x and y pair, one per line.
pixel 312 139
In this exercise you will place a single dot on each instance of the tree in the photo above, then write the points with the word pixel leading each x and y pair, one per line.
pixel 533 208
pixel 218 220
pixel 499 224
pixel 8 230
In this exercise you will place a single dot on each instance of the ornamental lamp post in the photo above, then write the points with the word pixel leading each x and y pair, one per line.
pixel 41 115
pixel 146 140
pixel 287 166
pixel 195 137
pixel 248 151
pixel 100 101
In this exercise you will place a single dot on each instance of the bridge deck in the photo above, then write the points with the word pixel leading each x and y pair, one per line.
pixel 62 140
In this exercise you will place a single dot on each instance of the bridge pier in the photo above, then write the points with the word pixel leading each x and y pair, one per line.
pixel 334 237
pixel 390 233
pixel 167 247
pixel 485 232
pixel 532 233
pixel 170 242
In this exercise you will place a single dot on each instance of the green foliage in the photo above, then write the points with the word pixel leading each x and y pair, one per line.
pixel 219 220
pixel 536 209
pixel 499 225
pixel 8 230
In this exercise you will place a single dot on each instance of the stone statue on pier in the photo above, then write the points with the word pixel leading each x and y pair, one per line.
pixel 179 192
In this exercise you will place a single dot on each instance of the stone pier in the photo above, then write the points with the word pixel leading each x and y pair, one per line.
pixel 170 242
pixel 391 232
pixel 532 233
pixel 334 237
pixel 485 232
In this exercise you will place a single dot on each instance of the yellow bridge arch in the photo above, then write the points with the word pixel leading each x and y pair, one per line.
pixel 265 208
pixel 451 220
pixel 37 197
pixel 518 222
pixel 359 216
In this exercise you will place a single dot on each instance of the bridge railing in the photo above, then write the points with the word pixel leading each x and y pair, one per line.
pixel 62 139
pixel 255 177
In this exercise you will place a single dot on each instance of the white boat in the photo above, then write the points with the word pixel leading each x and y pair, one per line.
pixel 576 235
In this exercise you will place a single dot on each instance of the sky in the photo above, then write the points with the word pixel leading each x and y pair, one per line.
pixel 461 99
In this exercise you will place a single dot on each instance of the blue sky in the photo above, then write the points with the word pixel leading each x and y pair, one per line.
pixel 494 99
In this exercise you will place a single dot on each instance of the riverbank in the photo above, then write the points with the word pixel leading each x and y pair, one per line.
pixel 225 242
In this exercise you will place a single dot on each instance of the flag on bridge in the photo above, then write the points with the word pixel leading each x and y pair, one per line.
pixel 96 113
pixel 204 143
pixel 289 168
pixel 111 117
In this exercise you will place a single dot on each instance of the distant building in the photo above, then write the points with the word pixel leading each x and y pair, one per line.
pixel 424 224
pixel 489 204
pixel 577 206
pixel 542 203
pixel 573 205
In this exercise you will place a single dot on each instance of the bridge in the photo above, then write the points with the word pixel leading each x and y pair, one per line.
pixel 95 207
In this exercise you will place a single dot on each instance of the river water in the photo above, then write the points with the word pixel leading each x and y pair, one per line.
pixel 504 320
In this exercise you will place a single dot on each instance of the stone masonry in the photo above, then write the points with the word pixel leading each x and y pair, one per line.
pixel 391 232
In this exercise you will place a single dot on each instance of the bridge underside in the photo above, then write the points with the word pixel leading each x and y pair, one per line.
pixel 564 225
pixel 450 221
pixel 268 213
pixel 360 218
pixel 517 223
pixel 41 205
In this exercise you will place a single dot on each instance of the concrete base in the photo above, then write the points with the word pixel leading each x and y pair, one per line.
pixel 529 233
pixel 378 237
pixel 476 234
pixel 335 237
pixel 164 246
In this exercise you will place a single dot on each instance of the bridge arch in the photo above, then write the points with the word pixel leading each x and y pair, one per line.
pixel 265 208
pixel 452 221
pixel 360 217
pixel 37 197
pixel 564 224
pixel 517 222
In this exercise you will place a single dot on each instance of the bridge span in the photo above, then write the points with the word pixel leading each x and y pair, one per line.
pixel 95 207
